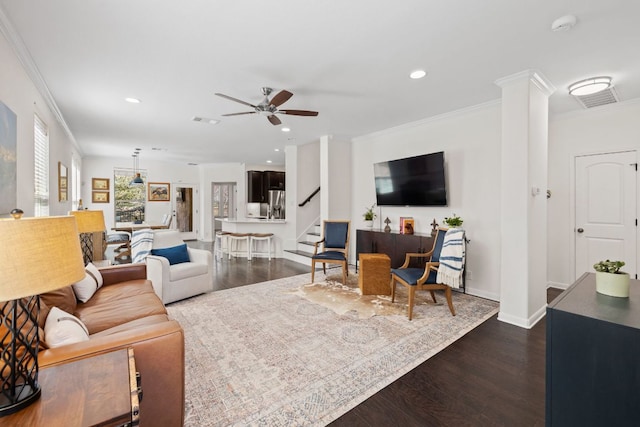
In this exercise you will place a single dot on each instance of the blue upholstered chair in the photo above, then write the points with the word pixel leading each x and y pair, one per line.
pixel 335 247
pixel 423 278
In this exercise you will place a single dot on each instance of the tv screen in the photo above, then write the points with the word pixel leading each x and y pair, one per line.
pixel 414 181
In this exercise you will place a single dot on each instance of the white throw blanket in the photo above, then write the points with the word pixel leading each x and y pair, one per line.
pixel 452 258
pixel 141 244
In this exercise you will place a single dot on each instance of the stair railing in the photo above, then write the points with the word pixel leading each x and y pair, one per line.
pixel 308 199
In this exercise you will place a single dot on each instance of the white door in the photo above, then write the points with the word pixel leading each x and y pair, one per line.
pixel 186 210
pixel 606 224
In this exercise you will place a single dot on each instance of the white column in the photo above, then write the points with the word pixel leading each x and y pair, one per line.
pixel 335 178
pixel 523 276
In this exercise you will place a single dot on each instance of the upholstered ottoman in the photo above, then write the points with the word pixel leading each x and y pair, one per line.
pixel 375 274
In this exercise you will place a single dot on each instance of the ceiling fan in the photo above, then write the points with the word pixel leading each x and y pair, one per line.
pixel 268 107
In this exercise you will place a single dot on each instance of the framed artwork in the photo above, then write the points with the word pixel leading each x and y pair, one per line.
pixel 63 182
pixel 100 184
pixel 159 192
pixel 8 165
pixel 100 196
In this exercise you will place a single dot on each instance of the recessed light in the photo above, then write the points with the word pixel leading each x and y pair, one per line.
pixel 590 86
pixel 269 161
pixel 276 149
pixel 133 100
pixel 418 74
pixel 285 130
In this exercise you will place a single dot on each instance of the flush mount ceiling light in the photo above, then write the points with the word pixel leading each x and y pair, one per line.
pixel 133 100
pixel 590 86
pixel 418 74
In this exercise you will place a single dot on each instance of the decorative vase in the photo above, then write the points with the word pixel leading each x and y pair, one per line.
pixel 612 284
pixel 368 223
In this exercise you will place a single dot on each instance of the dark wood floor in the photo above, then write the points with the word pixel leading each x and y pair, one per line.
pixel 493 376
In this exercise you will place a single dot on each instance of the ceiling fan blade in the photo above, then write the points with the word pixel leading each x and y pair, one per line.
pixel 280 98
pixel 230 98
pixel 274 120
pixel 239 114
pixel 299 112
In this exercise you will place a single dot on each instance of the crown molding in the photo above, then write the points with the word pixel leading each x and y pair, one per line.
pixel 15 41
pixel 534 76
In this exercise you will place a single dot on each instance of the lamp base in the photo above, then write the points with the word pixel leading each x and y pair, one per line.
pixel 27 396
pixel 19 341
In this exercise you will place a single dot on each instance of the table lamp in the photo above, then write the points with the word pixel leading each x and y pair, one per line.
pixel 37 255
pixel 89 222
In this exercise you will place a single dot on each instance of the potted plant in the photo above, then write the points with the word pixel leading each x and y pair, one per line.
pixel 453 221
pixel 610 280
pixel 369 215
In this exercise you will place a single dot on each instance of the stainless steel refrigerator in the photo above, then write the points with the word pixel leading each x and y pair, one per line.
pixel 276 204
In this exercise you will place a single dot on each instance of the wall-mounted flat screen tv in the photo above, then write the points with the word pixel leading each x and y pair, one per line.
pixel 413 181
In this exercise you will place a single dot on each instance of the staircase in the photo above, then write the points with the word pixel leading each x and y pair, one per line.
pixel 304 247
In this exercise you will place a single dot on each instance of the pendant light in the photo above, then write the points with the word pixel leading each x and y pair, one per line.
pixel 137 180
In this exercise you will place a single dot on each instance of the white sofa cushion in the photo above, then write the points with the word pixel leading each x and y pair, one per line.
pixel 186 269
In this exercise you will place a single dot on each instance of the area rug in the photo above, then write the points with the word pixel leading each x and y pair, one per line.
pixel 268 355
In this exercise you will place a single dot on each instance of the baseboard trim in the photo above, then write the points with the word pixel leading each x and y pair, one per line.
pixel 523 322
pixel 482 294
pixel 557 285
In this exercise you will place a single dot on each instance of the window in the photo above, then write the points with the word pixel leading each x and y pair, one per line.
pixel 41 166
pixel 129 200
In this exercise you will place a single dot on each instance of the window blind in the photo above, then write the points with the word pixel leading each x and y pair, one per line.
pixel 41 166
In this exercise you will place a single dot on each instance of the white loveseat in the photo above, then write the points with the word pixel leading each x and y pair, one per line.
pixel 182 280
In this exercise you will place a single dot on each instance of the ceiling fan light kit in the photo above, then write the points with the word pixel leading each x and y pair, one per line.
pixel 269 108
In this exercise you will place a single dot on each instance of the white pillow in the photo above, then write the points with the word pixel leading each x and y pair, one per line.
pixel 93 270
pixel 85 288
pixel 62 328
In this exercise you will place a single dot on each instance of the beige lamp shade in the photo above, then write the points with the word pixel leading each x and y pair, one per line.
pixel 38 255
pixel 89 221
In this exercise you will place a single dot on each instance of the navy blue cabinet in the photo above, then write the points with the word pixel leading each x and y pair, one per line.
pixel 593 357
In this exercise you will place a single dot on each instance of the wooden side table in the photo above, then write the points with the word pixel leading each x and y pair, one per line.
pixel 375 274
pixel 100 390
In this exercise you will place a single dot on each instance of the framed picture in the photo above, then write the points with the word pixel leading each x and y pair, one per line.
pixel 159 192
pixel 100 196
pixel 63 182
pixel 100 184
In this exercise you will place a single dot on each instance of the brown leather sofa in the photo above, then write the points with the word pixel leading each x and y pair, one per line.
pixel 125 312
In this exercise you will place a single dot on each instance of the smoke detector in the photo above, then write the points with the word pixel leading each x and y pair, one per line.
pixel 564 23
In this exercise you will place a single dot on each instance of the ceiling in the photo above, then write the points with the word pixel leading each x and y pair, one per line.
pixel 349 60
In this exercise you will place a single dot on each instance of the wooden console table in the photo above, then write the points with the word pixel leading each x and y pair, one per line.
pixel 394 244
pixel 100 390
pixel 593 348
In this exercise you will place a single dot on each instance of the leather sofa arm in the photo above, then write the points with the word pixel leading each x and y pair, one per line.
pixel 159 354
pixel 123 272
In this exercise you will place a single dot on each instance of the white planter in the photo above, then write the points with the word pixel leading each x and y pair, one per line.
pixel 368 224
pixel 615 285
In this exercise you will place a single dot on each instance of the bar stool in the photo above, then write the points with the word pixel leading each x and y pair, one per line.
pixel 235 249
pixel 221 244
pixel 256 237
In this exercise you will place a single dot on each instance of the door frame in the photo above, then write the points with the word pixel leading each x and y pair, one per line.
pixel 195 234
pixel 572 200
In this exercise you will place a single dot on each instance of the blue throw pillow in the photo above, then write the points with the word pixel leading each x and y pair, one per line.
pixel 175 255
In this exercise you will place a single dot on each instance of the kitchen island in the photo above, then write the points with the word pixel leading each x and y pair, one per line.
pixel 258 225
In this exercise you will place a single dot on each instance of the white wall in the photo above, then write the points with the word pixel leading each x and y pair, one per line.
pixel 307 181
pixel 610 128
pixel 18 92
pixel 157 171
pixel 471 142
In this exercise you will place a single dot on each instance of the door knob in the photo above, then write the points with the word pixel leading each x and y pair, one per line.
pixel 580 230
